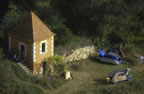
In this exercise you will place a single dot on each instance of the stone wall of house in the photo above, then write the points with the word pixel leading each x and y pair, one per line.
pixel 81 53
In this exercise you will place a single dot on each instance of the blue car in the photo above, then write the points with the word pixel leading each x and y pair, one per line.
pixel 110 57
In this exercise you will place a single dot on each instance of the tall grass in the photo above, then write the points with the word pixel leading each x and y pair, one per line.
pixel 13 80
pixel 51 83
pixel 135 87
pixel 18 88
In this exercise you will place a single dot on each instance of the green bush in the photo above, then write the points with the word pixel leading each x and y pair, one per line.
pixel 11 18
pixel 63 34
pixel 59 66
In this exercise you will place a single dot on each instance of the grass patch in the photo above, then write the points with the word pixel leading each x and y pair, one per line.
pixel 18 88
pixel 14 80
pixel 78 65
pixel 101 70
pixel 50 84
pixel 135 87
pixel 20 73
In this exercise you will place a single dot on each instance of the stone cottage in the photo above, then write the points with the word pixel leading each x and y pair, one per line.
pixel 33 41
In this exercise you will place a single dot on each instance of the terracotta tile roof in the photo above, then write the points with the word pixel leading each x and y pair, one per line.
pixel 32 29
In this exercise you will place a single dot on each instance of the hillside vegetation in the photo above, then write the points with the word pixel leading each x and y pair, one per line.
pixel 77 23
pixel 104 22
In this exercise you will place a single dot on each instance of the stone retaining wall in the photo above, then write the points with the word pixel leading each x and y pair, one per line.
pixel 81 53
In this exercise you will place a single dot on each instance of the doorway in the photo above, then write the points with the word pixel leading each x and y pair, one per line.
pixel 22 50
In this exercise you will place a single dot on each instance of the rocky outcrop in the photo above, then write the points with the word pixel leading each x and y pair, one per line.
pixel 81 53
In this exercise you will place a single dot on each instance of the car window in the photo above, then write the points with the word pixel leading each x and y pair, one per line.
pixel 108 56
pixel 119 59
pixel 111 57
pixel 121 74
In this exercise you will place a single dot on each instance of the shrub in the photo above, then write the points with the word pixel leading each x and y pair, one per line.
pixel 63 34
pixel 57 64
pixel 11 18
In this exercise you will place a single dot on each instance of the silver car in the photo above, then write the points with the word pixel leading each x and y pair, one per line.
pixel 117 76
pixel 110 57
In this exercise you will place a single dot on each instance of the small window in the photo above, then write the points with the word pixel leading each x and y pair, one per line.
pixel 43 47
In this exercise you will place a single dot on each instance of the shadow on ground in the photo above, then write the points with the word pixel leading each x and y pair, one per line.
pixel 99 81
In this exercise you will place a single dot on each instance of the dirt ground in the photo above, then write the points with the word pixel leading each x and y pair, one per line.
pixel 90 73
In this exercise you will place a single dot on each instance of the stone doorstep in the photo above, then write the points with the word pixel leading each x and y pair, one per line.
pixel 25 68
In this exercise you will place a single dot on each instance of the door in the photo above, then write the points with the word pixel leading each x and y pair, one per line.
pixel 22 51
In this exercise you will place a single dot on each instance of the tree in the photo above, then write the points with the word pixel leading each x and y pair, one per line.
pixel 54 20
pixel 11 18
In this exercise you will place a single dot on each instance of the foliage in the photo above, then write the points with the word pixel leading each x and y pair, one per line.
pixel 54 20
pixel 102 18
pixel 104 21
pixel 1 54
pixel 58 63
pixel 63 33
pixel 11 18
pixel 19 88
pixel 11 72
pixel 7 74
pixel 20 73
pixel 14 80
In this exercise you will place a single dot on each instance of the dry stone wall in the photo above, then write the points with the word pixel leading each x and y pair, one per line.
pixel 81 53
